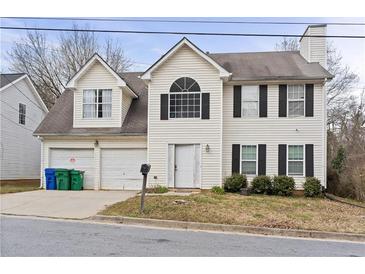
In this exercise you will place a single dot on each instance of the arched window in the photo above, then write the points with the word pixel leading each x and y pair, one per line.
pixel 185 98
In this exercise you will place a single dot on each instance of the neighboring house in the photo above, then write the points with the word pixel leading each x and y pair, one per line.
pixel 21 112
pixel 195 117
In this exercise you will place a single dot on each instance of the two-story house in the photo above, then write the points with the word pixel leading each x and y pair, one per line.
pixel 21 110
pixel 195 117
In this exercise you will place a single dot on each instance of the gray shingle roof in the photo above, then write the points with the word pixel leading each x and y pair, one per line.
pixel 276 65
pixel 59 120
pixel 7 78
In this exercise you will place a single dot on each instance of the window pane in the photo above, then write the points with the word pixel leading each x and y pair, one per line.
pixel 89 96
pixel 106 96
pixel 295 168
pixel 250 108
pixel 185 105
pixel 296 108
pixel 106 110
pixel 249 153
pixel 296 92
pixel 250 93
pixel 248 167
pixel 89 111
pixel 295 152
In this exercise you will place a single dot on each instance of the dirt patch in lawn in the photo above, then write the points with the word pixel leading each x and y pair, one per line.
pixel 12 186
pixel 266 211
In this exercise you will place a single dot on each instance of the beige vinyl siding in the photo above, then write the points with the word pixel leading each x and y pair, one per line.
pixel 89 142
pixel 185 63
pixel 97 77
pixel 314 49
pixel 126 103
pixel 274 130
pixel 20 151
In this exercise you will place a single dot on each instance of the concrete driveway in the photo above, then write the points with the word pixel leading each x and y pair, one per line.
pixel 61 204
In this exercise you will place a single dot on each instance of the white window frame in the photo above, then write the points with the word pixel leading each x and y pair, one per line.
pixel 287 161
pixel 22 115
pixel 96 104
pixel 242 160
pixel 295 100
pixel 248 101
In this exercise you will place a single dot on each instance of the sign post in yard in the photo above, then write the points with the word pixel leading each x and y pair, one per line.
pixel 145 168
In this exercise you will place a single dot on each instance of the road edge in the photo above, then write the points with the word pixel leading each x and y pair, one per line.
pixel 231 228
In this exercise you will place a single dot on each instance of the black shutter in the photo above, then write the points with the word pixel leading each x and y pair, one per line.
pixel 205 105
pixel 309 100
pixel 164 107
pixel 282 160
pixel 237 95
pixel 263 100
pixel 236 159
pixel 262 160
pixel 309 163
pixel 282 100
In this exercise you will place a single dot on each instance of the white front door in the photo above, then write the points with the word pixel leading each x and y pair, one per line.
pixel 80 159
pixel 120 168
pixel 187 166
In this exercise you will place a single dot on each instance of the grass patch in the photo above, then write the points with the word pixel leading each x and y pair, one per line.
pixel 18 186
pixel 256 210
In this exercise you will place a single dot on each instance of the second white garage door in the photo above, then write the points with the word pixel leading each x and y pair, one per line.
pixel 120 168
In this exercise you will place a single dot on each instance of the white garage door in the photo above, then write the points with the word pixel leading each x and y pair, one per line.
pixel 81 159
pixel 120 168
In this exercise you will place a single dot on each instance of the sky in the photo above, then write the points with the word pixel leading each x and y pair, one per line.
pixel 144 50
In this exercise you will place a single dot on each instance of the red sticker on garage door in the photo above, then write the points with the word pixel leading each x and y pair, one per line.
pixel 72 160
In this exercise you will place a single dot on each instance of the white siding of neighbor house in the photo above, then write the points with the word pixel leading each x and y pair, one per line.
pixel 20 150
pixel 89 142
pixel 185 63
pixel 97 77
pixel 314 49
pixel 273 131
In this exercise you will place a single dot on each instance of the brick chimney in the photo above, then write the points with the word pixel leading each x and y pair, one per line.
pixel 314 49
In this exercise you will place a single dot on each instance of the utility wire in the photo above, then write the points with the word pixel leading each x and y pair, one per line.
pixel 22 92
pixel 16 123
pixel 188 21
pixel 17 111
pixel 181 33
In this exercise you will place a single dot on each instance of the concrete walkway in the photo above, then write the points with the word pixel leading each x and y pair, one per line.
pixel 61 204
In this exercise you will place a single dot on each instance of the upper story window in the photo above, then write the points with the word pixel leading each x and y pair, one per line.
pixel 296 100
pixel 249 159
pixel 250 101
pixel 22 112
pixel 97 103
pixel 295 160
pixel 185 98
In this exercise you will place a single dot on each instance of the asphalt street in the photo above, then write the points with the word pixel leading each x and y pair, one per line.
pixel 45 237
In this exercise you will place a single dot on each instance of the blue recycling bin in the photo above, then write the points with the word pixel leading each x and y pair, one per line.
pixel 51 183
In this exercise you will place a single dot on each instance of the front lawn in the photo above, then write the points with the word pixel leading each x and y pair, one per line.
pixel 266 211
pixel 18 186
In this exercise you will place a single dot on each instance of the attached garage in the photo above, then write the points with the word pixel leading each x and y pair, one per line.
pixel 81 159
pixel 120 168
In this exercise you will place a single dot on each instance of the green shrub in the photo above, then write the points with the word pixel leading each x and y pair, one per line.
pixel 283 185
pixel 235 182
pixel 217 190
pixel 312 187
pixel 261 185
pixel 158 189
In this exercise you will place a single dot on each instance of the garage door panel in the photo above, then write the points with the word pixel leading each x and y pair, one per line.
pixel 120 168
pixel 81 159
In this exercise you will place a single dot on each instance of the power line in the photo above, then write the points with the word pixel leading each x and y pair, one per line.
pixel 182 33
pixel 11 82
pixel 17 111
pixel 15 123
pixel 188 21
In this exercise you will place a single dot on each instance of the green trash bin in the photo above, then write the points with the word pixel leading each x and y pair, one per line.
pixel 77 179
pixel 63 179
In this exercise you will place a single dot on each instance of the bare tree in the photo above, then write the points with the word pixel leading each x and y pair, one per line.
pixel 52 67
pixel 287 44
